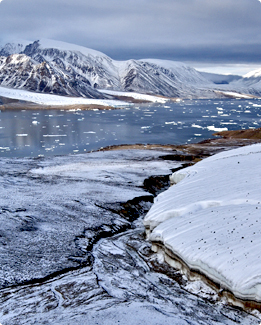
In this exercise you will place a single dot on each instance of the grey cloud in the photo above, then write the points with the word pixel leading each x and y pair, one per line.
pixel 192 29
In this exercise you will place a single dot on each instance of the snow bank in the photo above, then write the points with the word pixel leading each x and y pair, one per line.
pixel 235 94
pixel 211 220
pixel 49 99
pixel 150 98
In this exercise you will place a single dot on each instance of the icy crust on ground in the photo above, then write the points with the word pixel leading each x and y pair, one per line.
pixel 49 99
pixel 211 219
pixel 47 204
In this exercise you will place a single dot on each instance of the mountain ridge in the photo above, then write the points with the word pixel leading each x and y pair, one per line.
pixel 65 69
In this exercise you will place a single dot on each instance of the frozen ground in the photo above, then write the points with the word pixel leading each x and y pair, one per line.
pixel 72 251
pixel 211 220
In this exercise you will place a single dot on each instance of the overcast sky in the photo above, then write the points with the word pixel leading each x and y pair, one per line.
pixel 201 32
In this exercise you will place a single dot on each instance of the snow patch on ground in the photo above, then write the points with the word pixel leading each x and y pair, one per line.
pixel 150 98
pixel 48 99
pixel 234 94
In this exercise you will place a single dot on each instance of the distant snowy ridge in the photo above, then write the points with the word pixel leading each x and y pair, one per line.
pixel 250 84
pixel 220 79
pixel 211 220
pixel 253 74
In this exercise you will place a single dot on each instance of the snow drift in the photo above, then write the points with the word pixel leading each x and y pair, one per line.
pixel 211 220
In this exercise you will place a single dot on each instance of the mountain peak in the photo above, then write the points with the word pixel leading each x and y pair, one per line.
pixel 45 43
pixel 14 47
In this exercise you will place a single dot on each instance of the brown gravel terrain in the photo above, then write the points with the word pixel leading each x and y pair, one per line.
pixel 254 134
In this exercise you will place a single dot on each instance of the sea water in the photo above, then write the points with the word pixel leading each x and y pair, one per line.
pixel 28 133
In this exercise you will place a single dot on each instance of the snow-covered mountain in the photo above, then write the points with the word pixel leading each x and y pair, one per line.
pixel 66 69
pixel 248 84
pixel 60 68
pixel 22 71
pixel 13 48
pixel 252 79
pixel 161 77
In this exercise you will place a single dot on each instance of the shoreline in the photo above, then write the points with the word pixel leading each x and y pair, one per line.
pixel 193 151
pixel 75 107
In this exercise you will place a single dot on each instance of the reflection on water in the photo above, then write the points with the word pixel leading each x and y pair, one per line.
pixel 34 133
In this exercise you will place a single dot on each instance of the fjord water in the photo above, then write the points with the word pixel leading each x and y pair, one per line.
pixel 25 133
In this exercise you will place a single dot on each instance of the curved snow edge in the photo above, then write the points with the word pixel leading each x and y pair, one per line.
pixel 210 222
pixel 194 273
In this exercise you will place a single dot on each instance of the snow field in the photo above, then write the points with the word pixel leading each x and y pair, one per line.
pixel 49 99
pixel 211 219
pixel 150 98
pixel 236 95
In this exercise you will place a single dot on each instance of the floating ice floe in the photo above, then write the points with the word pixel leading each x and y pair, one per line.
pixel 213 128
pixel 211 220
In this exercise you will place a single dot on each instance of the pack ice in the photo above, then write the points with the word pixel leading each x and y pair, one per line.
pixel 211 220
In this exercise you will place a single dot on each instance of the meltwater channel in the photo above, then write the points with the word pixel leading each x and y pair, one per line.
pixel 27 133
